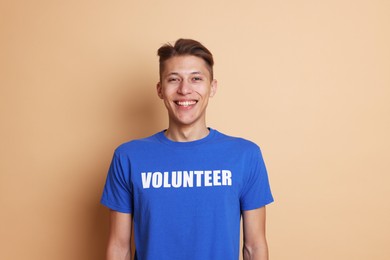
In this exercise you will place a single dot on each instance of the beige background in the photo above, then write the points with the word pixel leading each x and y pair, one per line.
pixel 309 81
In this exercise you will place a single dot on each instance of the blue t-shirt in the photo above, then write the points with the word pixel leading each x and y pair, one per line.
pixel 186 198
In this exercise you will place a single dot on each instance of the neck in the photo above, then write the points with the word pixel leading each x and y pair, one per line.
pixel 186 134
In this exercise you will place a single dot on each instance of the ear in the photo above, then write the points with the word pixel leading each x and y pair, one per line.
pixel 159 90
pixel 214 86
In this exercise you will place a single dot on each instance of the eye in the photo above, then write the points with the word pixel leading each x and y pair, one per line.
pixel 173 79
pixel 197 79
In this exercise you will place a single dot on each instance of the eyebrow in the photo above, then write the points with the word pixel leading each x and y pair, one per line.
pixel 196 72
pixel 192 73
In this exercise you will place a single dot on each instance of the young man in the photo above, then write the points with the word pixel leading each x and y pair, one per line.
pixel 185 189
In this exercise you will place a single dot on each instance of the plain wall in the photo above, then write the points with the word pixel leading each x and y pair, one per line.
pixel 309 81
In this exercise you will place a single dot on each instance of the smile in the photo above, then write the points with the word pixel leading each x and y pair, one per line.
pixel 186 103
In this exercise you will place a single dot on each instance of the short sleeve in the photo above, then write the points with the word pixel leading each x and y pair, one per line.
pixel 256 191
pixel 117 192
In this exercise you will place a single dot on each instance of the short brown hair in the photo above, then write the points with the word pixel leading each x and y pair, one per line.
pixel 184 47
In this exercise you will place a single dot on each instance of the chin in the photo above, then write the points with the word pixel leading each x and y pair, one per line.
pixel 186 121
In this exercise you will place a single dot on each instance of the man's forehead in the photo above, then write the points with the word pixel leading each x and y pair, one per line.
pixel 185 65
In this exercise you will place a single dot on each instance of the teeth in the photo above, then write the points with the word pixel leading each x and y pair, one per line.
pixel 186 103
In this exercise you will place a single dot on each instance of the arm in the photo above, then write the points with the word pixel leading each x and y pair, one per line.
pixel 119 237
pixel 255 242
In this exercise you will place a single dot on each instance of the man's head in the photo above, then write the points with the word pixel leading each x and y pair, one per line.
pixel 186 83
pixel 184 47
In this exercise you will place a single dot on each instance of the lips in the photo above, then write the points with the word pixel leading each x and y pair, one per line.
pixel 186 103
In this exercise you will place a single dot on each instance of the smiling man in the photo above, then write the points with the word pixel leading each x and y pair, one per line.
pixel 185 189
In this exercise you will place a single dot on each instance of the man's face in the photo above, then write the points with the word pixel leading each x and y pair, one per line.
pixel 186 87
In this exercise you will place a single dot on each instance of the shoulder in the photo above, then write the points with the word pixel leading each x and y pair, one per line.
pixel 137 144
pixel 238 142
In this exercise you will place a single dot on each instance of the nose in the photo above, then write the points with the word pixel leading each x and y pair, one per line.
pixel 184 88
